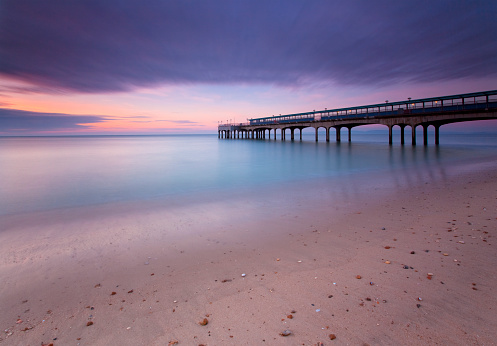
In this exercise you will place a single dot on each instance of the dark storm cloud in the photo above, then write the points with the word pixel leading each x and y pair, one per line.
pixel 113 45
pixel 18 121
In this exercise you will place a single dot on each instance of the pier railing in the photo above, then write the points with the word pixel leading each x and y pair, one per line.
pixel 454 103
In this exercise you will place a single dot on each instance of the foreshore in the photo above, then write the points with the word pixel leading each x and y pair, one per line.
pixel 412 267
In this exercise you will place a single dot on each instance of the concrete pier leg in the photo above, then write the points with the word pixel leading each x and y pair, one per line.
pixel 425 134
pixel 390 140
pixel 350 134
pixel 274 134
pixel 402 141
pixel 263 134
pixel 317 137
pixel 338 133
pixel 269 134
pixel 437 134
pixel 301 135
pixel 282 134
pixel 292 134
pixel 327 134
pixel 413 134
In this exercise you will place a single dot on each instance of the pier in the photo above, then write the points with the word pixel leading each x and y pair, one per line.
pixel 433 111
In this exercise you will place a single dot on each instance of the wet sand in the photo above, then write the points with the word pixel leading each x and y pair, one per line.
pixel 414 267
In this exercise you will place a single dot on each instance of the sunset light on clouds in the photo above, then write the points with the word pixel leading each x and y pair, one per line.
pixel 157 67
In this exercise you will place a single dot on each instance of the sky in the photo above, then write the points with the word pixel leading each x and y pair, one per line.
pixel 164 67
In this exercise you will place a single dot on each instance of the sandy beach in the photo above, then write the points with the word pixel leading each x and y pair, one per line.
pixel 412 267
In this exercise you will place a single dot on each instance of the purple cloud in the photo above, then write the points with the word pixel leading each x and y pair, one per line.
pixel 17 121
pixel 114 45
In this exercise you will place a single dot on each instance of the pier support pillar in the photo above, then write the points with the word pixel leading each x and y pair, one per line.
pixel 292 134
pixel 413 134
pixel 263 134
pixel 402 141
pixel 301 135
pixel 269 134
pixel 425 134
pixel 390 140
pixel 338 130
pixel 317 134
pixel 437 134
pixel 350 134
pixel 327 129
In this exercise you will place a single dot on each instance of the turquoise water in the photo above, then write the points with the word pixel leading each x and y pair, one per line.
pixel 44 173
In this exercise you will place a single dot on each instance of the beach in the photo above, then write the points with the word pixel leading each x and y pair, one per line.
pixel 411 266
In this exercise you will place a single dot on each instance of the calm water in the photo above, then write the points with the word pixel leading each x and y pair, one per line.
pixel 43 173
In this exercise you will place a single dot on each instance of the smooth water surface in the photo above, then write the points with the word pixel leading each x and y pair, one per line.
pixel 43 173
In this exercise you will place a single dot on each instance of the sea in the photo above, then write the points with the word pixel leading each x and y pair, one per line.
pixel 51 173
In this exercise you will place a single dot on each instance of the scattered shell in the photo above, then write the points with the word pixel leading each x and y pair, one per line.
pixel 98 286
pixel 446 254
pixel 299 261
pixel 277 259
pixel 204 322
pixel 358 277
pixel 387 247
pixel 90 323
pixel 286 333
pixel 243 275
pixel 289 316
pixel 332 336
pixel 19 321
pixel 173 342
pixel 113 293
pixel 130 291
pixel 387 262
pixel 226 280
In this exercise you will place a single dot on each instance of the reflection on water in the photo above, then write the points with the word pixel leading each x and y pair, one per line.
pixel 58 172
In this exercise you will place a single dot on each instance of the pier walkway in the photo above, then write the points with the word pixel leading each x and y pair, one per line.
pixel 434 111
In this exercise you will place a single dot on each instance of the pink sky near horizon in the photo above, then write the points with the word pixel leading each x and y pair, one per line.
pixel 199 108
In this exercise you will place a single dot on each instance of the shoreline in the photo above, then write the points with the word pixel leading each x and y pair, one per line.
pixel 54 280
